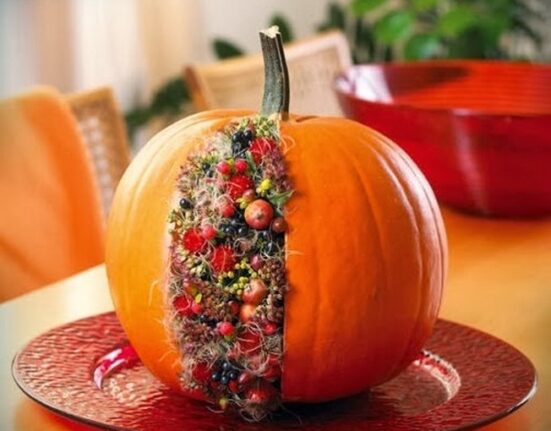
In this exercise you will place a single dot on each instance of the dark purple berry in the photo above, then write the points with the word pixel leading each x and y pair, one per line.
pixel 238 137
pixel 205 167
pixel 228 229
pixel 216 376
pixel 186 204
pixel 270 248
pixel 233 374
pixel 239 217
pixel 224 379
pixel 242 230
pixel 212 323
pixel 248 136
pixel 226 366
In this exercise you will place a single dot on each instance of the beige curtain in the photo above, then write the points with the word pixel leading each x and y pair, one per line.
pixel 131 45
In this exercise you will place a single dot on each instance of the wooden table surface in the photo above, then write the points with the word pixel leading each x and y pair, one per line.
pixel 499 282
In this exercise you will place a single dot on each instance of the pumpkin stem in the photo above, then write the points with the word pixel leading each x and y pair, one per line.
pixel 276 78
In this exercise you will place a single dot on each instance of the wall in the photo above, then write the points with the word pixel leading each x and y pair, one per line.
pixel 131 45
pixel 241 23
pixel 135 45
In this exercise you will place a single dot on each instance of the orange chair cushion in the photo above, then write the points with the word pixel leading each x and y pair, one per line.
pixel 50 218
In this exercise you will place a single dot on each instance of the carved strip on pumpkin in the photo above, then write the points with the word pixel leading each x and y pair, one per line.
pixel 226 284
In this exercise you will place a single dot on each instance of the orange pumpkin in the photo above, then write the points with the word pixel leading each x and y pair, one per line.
pixel 368 257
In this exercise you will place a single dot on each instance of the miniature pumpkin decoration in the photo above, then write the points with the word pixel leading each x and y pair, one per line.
pixel 255 259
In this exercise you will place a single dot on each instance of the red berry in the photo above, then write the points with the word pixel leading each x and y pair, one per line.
pixel 223 258
pixel 279 225
pixel 269 328
pixel 196 308
pixel 208 232
pixel 190 288
pixel 193 241
pixel 247 312
pixel 256 262
pixel 249 195
pixel 223 167
pixel 241 165
pixel 237 185
pixel 260 147
pixel 226 329
pixel 183 305
pixel 255 292
pixel 234 307
pixel 273 368
pixel 259 214
pixel 272 372
pixel 233 386
pixel 249 341
pixel 201 372
pixel 244 378
pixel 226 209
pixel 261 392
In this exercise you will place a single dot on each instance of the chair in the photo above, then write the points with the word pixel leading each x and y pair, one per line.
pixel 238 83
pixel 61 158
pixel 51 223
pixel 104 135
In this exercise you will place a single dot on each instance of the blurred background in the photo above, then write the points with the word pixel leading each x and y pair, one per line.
pixel 120 70
pixel 139 47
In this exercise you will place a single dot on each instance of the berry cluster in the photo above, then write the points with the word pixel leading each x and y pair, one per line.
pixel 227 280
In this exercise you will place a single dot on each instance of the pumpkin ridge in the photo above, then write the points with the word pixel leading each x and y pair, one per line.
pixel 404 163
pixel 368 196
pixel 421 278
pixel 376 144
pixel 431 203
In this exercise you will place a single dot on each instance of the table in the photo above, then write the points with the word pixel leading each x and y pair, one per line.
pixel 499 281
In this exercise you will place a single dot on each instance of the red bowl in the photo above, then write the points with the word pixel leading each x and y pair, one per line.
pixel 479 130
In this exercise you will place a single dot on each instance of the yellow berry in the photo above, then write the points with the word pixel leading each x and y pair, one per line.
pixel 266 184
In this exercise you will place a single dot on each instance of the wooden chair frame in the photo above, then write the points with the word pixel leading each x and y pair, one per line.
pixel 313 64
pixel 104 133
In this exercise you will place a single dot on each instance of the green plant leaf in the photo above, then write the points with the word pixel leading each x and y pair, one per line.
pixel 421 46
pixel 393 26
pixel 135 119
pixel 422 5
pixel 388 53
pixel 457 20
pixel 337 17
pixel 493 27
pixel 470 44
pixel 284 27
pixel 224 49
pixel 360 7
pixel 364 45
pixel 170 97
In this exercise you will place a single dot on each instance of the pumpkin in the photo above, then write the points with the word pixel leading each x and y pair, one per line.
pixel 364 250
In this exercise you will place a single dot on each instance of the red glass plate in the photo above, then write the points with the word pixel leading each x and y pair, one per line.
pixel 86 371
